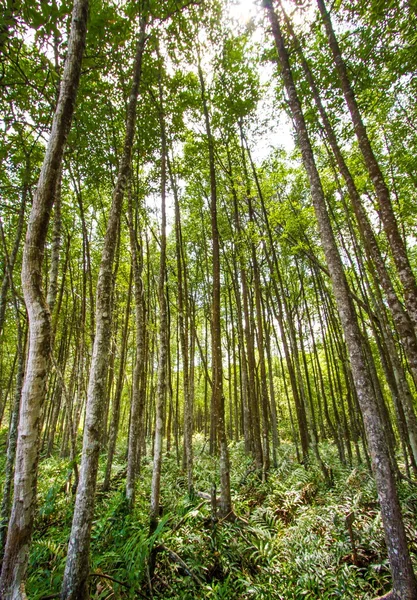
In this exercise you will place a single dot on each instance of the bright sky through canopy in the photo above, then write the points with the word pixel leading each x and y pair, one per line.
pixel 244 10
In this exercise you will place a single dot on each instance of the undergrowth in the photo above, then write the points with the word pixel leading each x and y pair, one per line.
pixel 290 539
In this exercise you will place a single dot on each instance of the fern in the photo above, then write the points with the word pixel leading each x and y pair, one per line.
pixel 54 548
pixel 266 521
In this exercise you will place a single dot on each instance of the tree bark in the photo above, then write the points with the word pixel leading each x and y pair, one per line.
pixel 183 319
pixel 259 323
pixel 217 389
pixel 163 339
pixel 137 405
pixel 12 433
pixel 280 316
pixel 115 418
pixel 250 408
pixel 12 258
pixel 38 364
pixel 56 247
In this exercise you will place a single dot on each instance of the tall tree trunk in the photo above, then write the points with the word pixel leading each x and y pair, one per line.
pixel 163 336
pixel 115 419
pixel 183 318
pixel 12 258
pixel 274 418
pixel 55 400
pixel 259 324
pixel 11 444
pixel 404 582
pixel 8 387
pixel 246 420
pixel 78 560
pixel 298 401
pixel 136 424
pixel 399 252
pixel 217 389
pixel 251 409
pixel 56 247
pixel 12 433
pixel 279 315
pixel 261 353
pixel 34 388
pixel 87 271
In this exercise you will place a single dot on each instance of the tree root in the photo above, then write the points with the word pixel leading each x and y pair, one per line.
pixel 174 556
pixel 181 521
pixel 206 496
pixel 100 576
pixel 103 576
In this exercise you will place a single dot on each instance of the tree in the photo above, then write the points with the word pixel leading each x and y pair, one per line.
pixel 34 387
pixel 217 387
pixel 163 349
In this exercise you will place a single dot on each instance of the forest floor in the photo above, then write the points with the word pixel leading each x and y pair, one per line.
pixel 296 536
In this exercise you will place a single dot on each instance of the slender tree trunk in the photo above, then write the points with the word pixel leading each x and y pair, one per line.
pixel 251 409
pixel 56 247
pixel 115 322
pixel 11 445
pixel 274 418
pixel 183 318
pixel 280 316
pixel 87 272
pixel 55 402
pixel 230 354
pixel 299 405
pixel 34 388
pixel 75 585
pixel 72 438
pixel 8 387
pixel 259 323
pixel 12 433
pixel 115 419
pixel 146 374
pixel 191 305
pixel 405 586
pixel 217 389
pixel 262 364
pixel 163 340
pixel 243 363
pixel 136 409
pixel 12 258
